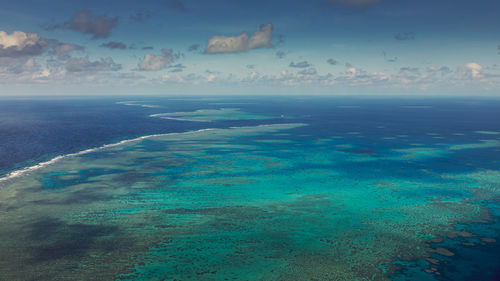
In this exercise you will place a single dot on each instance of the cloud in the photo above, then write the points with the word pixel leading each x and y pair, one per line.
pixel 63 50
pixel 395 59
pixel 83 21
pixel 152 62
pixel 177 68
pixel 22 66
pixel 114 45
pixel 85 65
pixel 498 49
pixel 241 43
pixel 147 48
pixel 308 71
pixel 405 36
pixel 280 54
pixel 332 61
pixel 442 70
pixel 302 64
pixel 409 69
pixel 250 66
pixel 178 5
pixel 193 47
pixel 191 78
pixel 22 70
pixel 24 44
pixel 354 79
pixel 19 44
pixel 471 70
pixel 354 3
pixel 310 76
pixel 131 76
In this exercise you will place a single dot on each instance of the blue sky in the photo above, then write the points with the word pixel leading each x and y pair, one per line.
pixel 332 47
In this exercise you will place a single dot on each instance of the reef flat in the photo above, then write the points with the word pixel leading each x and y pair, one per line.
pixel 209 115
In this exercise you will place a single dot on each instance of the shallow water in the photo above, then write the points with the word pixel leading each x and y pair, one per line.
pixel 331 190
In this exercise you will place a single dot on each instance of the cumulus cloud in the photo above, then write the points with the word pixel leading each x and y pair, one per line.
pixel 332 61
pixel 152 62
pixel 114 45
pixel 354 3
pixel 83 21
pixel 241 43
pixel 85 65
pixel 25 70
pixel 301 64
pixel 19 44
pixel 405 36
pixel 471 70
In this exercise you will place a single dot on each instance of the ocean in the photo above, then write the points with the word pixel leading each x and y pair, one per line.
pixel 249 188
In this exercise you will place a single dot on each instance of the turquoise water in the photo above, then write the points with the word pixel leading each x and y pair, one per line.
pixel 298 197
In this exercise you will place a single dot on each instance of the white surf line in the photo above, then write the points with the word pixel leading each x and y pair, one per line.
pixel 23 171
pixel 185 119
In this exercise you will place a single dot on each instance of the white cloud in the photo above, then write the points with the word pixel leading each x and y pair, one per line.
pixel 241 43
pixel 152 62
pixel 20 44
pixel 472 69
pixel 18 39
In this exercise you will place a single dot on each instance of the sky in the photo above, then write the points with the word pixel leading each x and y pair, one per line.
pixel 315 47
